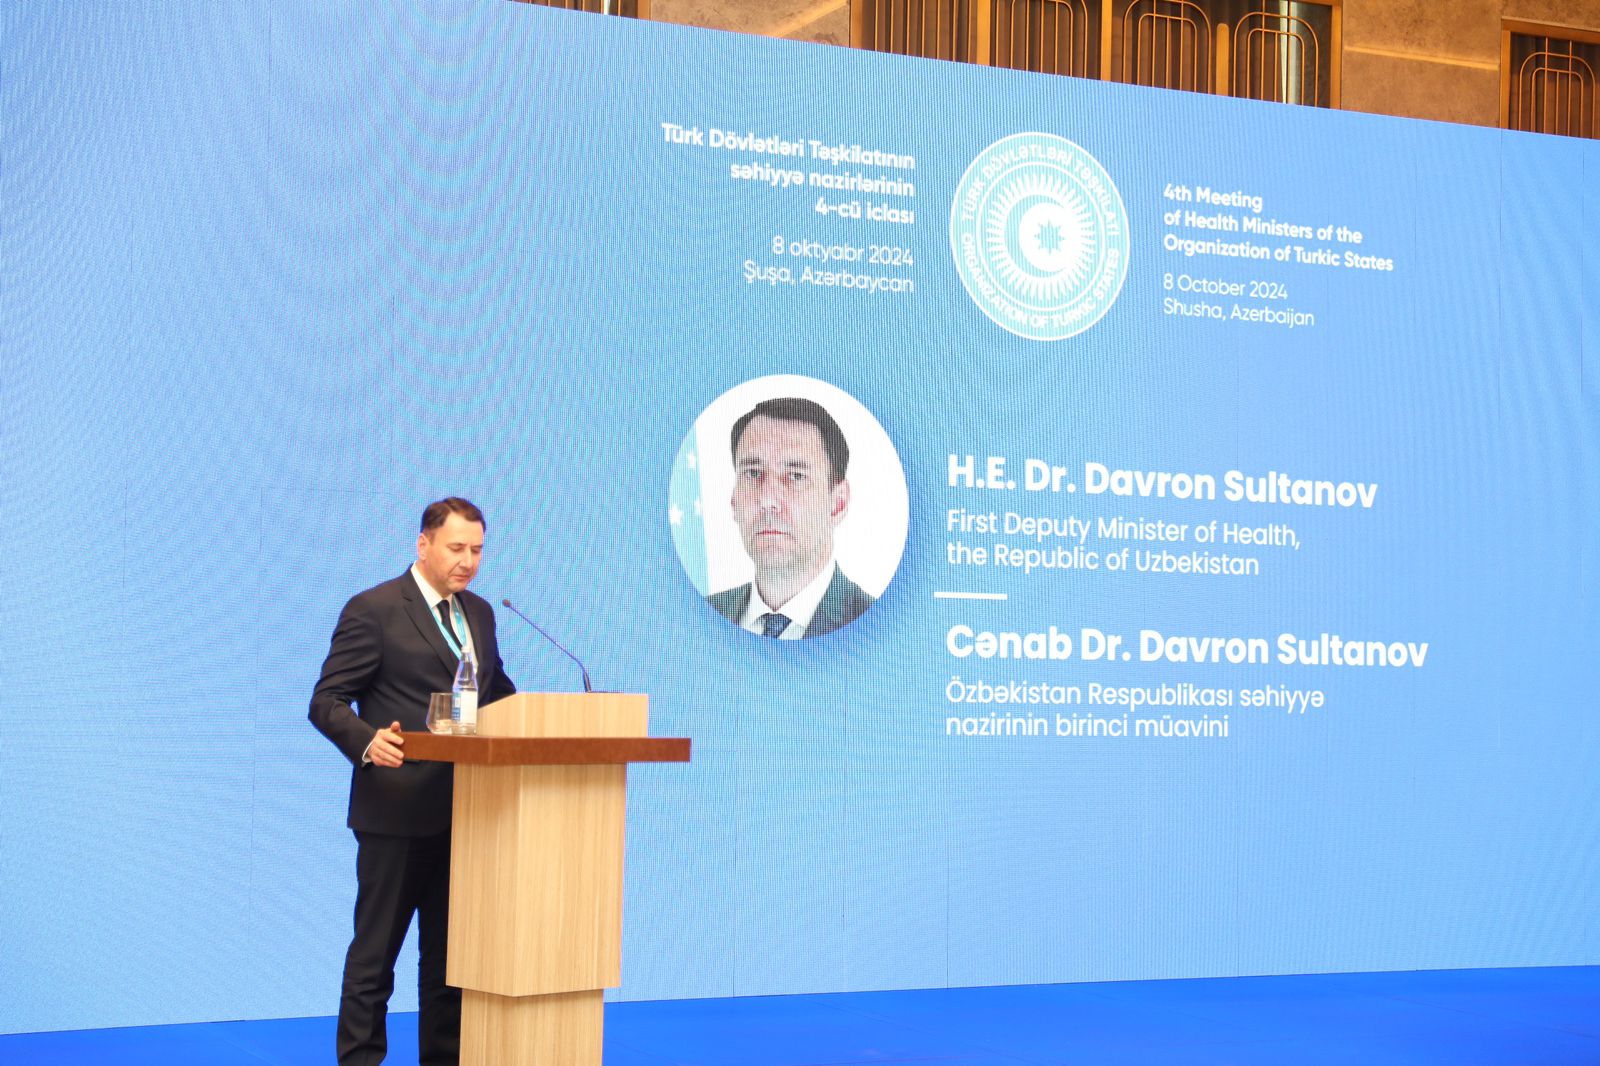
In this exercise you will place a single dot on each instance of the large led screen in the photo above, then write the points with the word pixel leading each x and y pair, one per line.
pixel 1192 571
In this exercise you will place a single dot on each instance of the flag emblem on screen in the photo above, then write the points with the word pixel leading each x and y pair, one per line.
pixel 686 511
pixel 1040 236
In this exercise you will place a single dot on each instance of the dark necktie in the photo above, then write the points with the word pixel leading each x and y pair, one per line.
pixel 443 607
pixel 773 624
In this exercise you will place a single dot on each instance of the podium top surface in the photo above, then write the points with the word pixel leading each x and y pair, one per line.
pixel 543 751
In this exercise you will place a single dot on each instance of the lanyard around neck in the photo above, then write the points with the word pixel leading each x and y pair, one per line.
pixel 458 619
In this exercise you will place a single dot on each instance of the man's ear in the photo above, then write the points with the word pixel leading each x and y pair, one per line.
pixel 840 501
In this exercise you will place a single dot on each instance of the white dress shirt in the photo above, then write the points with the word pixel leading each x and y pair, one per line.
pixel 434 599
pixel 799 609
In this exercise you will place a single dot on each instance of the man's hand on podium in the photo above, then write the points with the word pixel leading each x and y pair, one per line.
pixel 385 747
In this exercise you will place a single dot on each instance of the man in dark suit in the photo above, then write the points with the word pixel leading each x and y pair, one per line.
pixel 843 601
pixel 394 646
pixel 789 494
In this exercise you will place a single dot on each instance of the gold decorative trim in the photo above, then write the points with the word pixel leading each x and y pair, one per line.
pixel 815 13
pixel 1425 57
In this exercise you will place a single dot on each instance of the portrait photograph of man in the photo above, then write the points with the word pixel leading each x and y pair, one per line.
pixel 788 531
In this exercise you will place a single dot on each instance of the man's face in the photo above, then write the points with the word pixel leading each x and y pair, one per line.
pixel 449 555
pixel 782 501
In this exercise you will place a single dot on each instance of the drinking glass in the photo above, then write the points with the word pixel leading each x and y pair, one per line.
pixel 439 713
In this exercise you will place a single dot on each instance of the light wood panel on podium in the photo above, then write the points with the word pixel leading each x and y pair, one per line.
pixel 536 869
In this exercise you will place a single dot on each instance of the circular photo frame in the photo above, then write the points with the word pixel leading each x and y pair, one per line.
pixel 788 507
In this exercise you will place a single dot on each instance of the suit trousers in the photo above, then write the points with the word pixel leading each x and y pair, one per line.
pixel 397 877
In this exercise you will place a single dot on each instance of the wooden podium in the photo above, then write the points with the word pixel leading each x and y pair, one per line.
pixel 536 869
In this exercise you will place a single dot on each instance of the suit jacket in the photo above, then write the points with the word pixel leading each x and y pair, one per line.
pixel 842 603
pixel 386 658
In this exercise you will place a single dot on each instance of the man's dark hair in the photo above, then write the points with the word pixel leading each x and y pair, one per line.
pixel 434 515
pixel 796 409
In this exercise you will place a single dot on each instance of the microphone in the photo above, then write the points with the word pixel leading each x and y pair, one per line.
pixel 540 630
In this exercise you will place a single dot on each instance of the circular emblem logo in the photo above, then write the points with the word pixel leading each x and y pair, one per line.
pixel 1040 236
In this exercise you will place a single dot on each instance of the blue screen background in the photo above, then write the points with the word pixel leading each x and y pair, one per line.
pixel 275 274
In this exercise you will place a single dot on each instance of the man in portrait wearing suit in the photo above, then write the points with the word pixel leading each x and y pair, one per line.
pixel 789 494
pixel 394 645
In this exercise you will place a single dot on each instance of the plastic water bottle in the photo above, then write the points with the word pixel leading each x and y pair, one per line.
pixel 464 696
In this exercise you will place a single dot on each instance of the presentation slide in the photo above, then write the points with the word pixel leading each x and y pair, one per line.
pixel 1088 532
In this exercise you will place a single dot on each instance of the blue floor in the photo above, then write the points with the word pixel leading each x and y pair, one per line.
pixel 1454 1017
